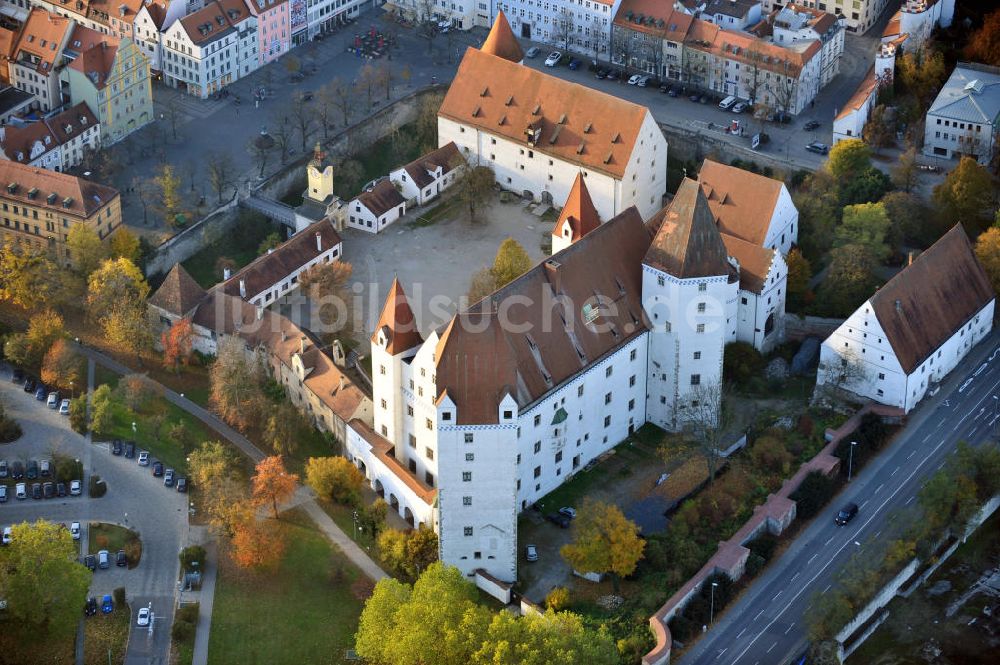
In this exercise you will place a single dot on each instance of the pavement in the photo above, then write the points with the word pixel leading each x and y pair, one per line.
pixel 134 499
pixel 766 625
pixel 206 601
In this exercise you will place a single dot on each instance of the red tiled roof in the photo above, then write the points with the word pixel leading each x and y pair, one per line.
pixel 72 195
pixel 96 62
pixel 179 293
pixel 865 90
pixel 688 244
pixel 501 41
pixel 397 322
pixel 383 450
pixel 578 213
pixel 447 157
pixel 381 198
pixel 742 202
pixel 42 36
pixel 755 262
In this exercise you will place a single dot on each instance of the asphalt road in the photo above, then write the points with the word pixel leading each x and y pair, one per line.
pixel 134 499
pixel 766 626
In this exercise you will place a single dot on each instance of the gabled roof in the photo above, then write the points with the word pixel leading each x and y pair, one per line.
pixel 972 94
pixel 501 41
pixel 861 96
pixel 42 36
pixel 447 157
pixel 179 293
pixel 658 18
pixel 578 213
pixel 397 322
pixel 18 142
pixel 687 244
pixel 215 19
pixel 558 329
pixel 574 123
pixel 72 122
pixel 755 262
pixel 71 195
pixel 734 8
pixel 274 267
pixel 157 10
pixel 381 198
pixel 383 450
pixel 742 202
pixel 929 300
pixel 96 62
pixel 123 11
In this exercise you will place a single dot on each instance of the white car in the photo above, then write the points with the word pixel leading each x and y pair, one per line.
pixel 53 401
pixel 143 459
pixel 531 52
pixel 553 59
pixel 739 107
pixel 644 81
pixel 7 531
pixel 568 512
pixel 143 618
pixel 531 553
pixel 74 488
pixel 21 491
pixel 634 79
pixel 74 530
pixel 64 407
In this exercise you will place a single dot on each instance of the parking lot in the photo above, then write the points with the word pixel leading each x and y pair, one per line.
pixel 134 499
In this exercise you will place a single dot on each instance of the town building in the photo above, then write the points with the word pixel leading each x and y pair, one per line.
pixel 903 341
pixel 537 132
pixel 150 22
pixel 859 15
pixel 376 208
pixel 727 14
pixel 108 17
pixel 57 143
pixel 423 179
pixel 916 19
pixel 579 27
pixel 113 79
pixel 40 206
pixel 274 28
pixel 14 103
pixel 964 117
pixel 207 50
pixel 36 55
pixel 321 16
pixel 793 24
pixel 850 121
pixel 319 201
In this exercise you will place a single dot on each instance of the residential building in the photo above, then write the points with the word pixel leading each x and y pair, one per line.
pixel 424 178
pixel 902 342
pixel 14 103
pixel 727 14
pixel 272 276
pixel 205 51
pixel 113 78
pixel 494 414
pixel 152 20
pixel 537 132
pixel 964 117
pixel 859 15
pixel 795 24
pixel 15 10
pixel 274 28
pixel 312 17
pixel 8 38
pixel 37 53
pixel 655 38
pixel 917 18
pixel 376 208
pixel 108 17
pixel 851 120
pixel 580 27
pixel 40 206
pixel 57 143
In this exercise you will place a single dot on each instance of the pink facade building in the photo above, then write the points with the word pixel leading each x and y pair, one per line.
pixel 274 27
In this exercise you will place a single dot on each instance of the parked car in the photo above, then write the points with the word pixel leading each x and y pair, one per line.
pixel 634 79
pixel 846 514
pixel 60 490
pixel 90 609
pixel 20 491
pixel 530 553
pixel 614 75
pixel 30 385
pixel 693 98
pixel 117 447
pixel 36 490
pixel 168 478
pixel 818 148
pixel 48 490
pixel 158 470
pixel 7 535
pixel 90 562
pixel 45 468
pixel 129 449
pixel 120 559
pixel 142 619
pixel 182 485
pixel 41 392
pixel 568 512
pixel 64 407
pixel 574 64
pixel 553 59
pixel 811 125
pixel 532 53
pixel 17 376
pixel 3 468
pixel 75 488
pixel 600 73
pixel 16 470
pixel 103 560
pixel 728 103
pixel 930 168
pixel 3 494
pixel 143 458
pixel 53 400
pixel 644 81
pixel 107 604
pixel 739 107
pixel 74 530
pixel 32 469
pixel 561 520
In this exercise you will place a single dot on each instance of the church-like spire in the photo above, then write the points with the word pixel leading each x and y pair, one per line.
pixel 501 41
pixel 688 243
pixel 397 322
pixel 579 216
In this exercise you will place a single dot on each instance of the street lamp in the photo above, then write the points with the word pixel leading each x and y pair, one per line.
pixel 850 461
pixel 72 390
pixel 711 615
pixel 355 518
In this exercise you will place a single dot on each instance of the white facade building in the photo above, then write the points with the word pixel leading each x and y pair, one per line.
pixel 859 15
pixel 964 119
pixel 582 27
pixel 906 338
pixel 537 132
pixel 424 178
pixel 151 21
pixel 376 208
pixel 56 143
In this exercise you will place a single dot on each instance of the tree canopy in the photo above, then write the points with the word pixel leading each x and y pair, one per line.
pixel 851 280
pixel 606 542
pixel 966 196
pixel 988 253
pixel 335 478
pixel 865 224
pixel 510 263
pixel 848 159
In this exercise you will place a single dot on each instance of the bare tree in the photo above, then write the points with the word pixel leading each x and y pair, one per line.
pixel 384 76
pixel 282 132
pixel 326 106
pixel 303 118
pixel 172 113
pixel 426 27
pixel 220 172
pixel 597 34
pixel 705 415
pixel 784 89
pixel 261 150
pixel 366 83
pixel 754 78
pixel 842 372
pixel 343 99
pixel 564 28
pixel 142 188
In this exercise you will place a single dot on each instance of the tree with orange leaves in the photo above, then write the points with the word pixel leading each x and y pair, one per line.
pixel 256 546
pixel 273 483
pixel 176 342
pixel 984 43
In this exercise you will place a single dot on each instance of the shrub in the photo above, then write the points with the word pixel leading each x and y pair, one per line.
pixel 191 555
pixel 681 628
pixel 98 487
pixel 133 551
pixel 723 589
pixel 872 431
pixel 183 631
pixel 10 430
pixel 557 599
pixel 815 492
pixel 755 564
pixel 698 609
pixel 763 546
pixel 119 595
pixel 805 425
pixel 769 453
pixel 188 613
pixel 102 541
pixel 741 363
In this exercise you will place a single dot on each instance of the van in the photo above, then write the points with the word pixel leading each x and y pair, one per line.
pixel 727 102
pixel 103 560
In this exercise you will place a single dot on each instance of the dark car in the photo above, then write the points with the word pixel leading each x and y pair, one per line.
pixel 613 75
pixel 559 519
pixel 32 469
pixel 36 491
pixel 600 73
pixel 117 447
pixel 30 385
pixel 182 485
pixel 130 449
pixel 811 125
pixel 694 98
pixel 60 489
pixel 16 470
pixel 168 478
pixel 574 64
pixel 90 609
pixel 673 92
pixel 158 469
pixel 818 148
pixel 846 514
pixel 17 376
pixel 121 559
pixel 90 562
pixel 48 490
pixel 41 393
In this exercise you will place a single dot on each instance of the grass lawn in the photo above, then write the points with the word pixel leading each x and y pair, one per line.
pixel 380 159
pixel 240 246
pixel 103 632
pixel 112 538
pixel 303 612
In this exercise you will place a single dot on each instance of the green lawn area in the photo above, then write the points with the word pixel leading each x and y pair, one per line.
pixel 240 246
pixel 112 538
pixel 105 632
pixel 303 612
pixel 379 159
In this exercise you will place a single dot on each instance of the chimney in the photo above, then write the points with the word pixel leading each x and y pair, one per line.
pixel 284 336
pixel 319 242
pixel 899 306
pixel 227 273
pixel 243 289
pixel 909 258
pixel 342 382
pixel 302 344
pixel 260 312
pixel 553 273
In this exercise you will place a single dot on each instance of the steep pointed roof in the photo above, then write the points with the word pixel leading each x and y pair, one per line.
pixel 397 321
pixel 688 244
pixel 501 41
pixel 179 293
pixel 578 214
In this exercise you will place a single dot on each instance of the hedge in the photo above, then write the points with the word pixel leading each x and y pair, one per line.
pixel 815 492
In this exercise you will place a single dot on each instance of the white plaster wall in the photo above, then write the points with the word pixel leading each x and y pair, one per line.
pixel 783 230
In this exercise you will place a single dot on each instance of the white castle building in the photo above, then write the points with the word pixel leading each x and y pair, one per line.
pixel 624 325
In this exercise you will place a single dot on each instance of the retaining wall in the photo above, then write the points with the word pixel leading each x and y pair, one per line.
pixel 691 145
pixel 185 244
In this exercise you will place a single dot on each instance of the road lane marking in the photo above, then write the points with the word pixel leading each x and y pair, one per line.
pixel 878 533
pixel 879 488
pixel 771 647
pixel 776 596
pixel 912 453
pixel 720 653
pixel 811 559
pixel 827 588
pixel 940 465
pixel 894 472
pixel 830 540
pixel 758 615
pixel 863 503
pixel 909 501
pixel 795 575
pixel 741 633
pixel 789 629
